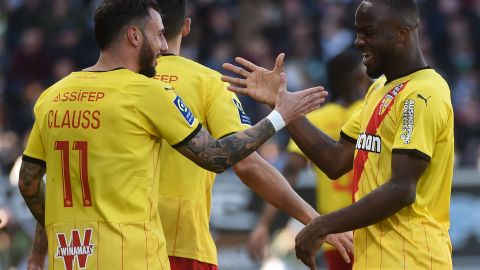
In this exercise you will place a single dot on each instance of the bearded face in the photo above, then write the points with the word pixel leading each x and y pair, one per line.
pixel 146 59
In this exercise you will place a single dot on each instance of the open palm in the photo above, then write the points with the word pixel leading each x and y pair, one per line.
pixel 258 83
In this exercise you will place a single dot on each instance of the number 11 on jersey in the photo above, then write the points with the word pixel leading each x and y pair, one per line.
pixel 64 148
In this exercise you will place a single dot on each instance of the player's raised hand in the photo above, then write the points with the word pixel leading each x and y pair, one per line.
pixel 292 105
pixel 258 83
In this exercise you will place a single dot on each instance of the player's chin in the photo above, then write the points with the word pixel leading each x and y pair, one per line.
pixel 373 72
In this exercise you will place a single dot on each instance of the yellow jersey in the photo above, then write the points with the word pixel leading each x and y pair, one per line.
pixel 185 188
pixel 98 133
pixel 331 195
pixel 410 115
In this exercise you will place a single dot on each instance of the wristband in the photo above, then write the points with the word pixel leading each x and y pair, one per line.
pixel 277 120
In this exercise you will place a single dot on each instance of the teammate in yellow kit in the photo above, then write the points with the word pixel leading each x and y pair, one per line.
pixel 348 81
pixel 97 134
pixel 400 145
pixel 185 188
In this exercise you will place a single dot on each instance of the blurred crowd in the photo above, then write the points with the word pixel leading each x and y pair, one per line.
pixel 41 41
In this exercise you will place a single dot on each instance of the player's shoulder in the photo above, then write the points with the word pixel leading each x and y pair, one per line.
pixel 51 92
pixel 428 83
pixel 144 84
pixel 189 66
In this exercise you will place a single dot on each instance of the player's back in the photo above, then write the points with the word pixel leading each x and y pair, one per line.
pixel 102 168
pixel 185 188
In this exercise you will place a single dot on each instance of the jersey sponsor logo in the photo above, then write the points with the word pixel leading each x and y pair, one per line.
pixel 424 98
pixel 184 110
pixel 408 120
pixel 79 96
pixel 166 78
pixel 369 143
pixel 75 250
pixel 244 119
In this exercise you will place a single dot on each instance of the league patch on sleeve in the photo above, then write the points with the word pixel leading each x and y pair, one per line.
pixel 184 110
pixel 244 119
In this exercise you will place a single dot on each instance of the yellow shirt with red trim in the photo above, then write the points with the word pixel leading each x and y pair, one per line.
pixel 185 188
pixel 331 195
pixel 98 134
pixel 411 115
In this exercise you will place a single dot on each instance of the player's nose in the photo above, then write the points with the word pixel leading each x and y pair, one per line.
pixel 359 41
pixel 163 45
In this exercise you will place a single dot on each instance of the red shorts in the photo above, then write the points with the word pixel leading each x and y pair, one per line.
pixel 177 263
pixel 335 261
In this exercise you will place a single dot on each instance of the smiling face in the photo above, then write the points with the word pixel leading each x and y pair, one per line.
pixel 154 44
pixel 376 37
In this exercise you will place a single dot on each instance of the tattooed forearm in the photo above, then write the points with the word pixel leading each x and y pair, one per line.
pixel 40 244
pixel 219 155
pixel 32 188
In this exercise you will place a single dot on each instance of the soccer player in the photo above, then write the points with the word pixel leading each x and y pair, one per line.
pixel 400 145
pixel 97 136
pixel 349 81
pixel 185 203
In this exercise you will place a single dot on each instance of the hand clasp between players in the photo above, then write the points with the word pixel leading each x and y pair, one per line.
pixel 269 87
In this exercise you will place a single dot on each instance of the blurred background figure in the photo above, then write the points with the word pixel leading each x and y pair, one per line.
pixel 41 41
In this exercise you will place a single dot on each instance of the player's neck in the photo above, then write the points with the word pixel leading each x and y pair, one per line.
pixel 174 45
pixel 109 61
pixel 406 64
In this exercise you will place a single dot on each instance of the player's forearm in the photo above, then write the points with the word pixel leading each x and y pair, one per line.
pixel 39 249
pixel 327 154
pixel 295 163
pixel 32 189
pixel 219 155
pixel 267 215
pixel 373 208
pixel 270 185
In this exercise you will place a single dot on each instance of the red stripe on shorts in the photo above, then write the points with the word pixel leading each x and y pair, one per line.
pixel 177 263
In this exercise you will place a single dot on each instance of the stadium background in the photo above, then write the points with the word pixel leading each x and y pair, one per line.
pixel 41 41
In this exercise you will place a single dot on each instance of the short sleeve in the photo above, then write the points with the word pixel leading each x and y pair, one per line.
pixel 418 124
pixel 35 149
pixel 166 115
pixel 351 128
pixel 224 112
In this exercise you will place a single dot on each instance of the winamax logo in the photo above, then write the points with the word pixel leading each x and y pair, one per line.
pixel 76 249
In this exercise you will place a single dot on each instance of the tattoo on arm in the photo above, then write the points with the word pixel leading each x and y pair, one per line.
pixel 219 155
pixel 40 243
pixel 32 188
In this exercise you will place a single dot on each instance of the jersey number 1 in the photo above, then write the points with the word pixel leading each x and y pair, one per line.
pixel 64 148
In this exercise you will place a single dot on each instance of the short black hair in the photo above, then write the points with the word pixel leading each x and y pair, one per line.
pixel 340 69
pixel 405 10
pixel 173 13
pixel 112 15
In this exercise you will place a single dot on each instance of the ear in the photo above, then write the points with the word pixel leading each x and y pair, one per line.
pixel 134 36
pixel 403 35
pixel 186 27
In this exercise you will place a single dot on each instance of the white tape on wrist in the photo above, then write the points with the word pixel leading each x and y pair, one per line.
pixel 277 120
